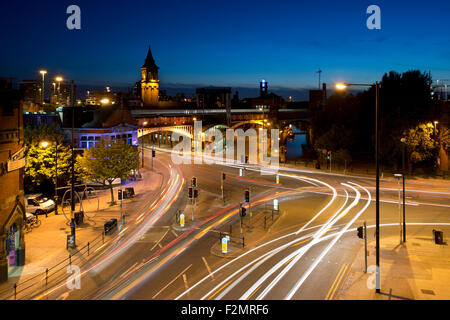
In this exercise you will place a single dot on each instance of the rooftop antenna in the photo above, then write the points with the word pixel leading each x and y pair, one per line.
pixel 319 72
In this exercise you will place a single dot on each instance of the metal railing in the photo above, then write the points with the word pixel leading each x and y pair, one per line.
pixel 51 276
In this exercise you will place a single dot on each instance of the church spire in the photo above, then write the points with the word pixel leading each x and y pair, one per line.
pixel 150 62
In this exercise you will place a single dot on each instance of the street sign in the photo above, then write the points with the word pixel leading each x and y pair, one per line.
pixel 224 245
pixel 240 172
pixel 70 241
pixel 181 220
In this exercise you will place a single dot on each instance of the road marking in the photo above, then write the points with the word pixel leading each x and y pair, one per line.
pixel 174 233
pixel 207 267
pixel 185 281
pixel 298 243
pixel 159 241
pixel 250 296
pixel 335 283
pixel 181 273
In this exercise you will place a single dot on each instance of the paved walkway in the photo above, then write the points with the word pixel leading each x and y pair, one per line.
pixel 418 269
pixel 46 245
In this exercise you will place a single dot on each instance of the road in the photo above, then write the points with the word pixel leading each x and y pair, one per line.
pixel 305 256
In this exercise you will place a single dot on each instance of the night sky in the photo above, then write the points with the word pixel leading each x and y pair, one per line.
pixel 224 43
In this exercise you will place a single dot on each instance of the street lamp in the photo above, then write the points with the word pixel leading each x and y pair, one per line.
pixel 59 79
pixel 43 72
pixel 343 86
pixel 45 144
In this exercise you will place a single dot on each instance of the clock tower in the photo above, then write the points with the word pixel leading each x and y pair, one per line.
pixel 150 81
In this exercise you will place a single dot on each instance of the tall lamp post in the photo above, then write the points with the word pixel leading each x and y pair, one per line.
pixel 343 86
pixel 59 79
pixel 45 144
pixel 43 72
pixel 403 140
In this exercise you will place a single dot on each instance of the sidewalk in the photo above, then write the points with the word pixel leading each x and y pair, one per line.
pixel 46 245
pixel 418 269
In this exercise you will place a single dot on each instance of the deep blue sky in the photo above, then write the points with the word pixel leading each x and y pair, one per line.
pixel 232 43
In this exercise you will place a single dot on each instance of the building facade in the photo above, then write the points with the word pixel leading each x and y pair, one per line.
pixel 12 162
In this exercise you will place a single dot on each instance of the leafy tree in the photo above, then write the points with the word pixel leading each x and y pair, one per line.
pixel 445 138
pixel 107 161
pixel 420 144
pixel 40 161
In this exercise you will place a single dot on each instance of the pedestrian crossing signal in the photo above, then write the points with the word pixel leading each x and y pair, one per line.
pixel 243 212
pixel 190 193
pixel 195 193
pixel 119 194
pixel 153 153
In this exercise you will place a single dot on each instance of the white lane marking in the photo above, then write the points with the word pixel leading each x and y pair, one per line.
pixel 298 254
pixel 243 255
pixel 159 241
pixel 181 273
pixel 207 267
pixel 256 285
pixel 185 281
pixel 328 248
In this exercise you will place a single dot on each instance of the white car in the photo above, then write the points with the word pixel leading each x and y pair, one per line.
pixel 38 204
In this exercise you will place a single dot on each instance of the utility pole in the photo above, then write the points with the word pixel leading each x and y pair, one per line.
pixel 222 186
pixel 72 188
pixel 56 176
pixel 398 176
pixel 365 246
pixel 404 191
pixel 377 209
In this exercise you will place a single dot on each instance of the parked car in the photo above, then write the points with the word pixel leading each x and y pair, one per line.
pixel 38 204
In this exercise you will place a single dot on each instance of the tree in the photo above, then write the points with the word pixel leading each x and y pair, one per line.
pixel 420 144
pixel 107 161
pixel 40 163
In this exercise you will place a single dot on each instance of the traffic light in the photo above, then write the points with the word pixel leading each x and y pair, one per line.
pixel 223 176
pixel 243 212
pixel 119 194
pixel 328 155
pixel 195 193
pixel 194 182
pixel 190 193
pixel 360 232
pixel 247 196
pixel 246 159
pixel 153 153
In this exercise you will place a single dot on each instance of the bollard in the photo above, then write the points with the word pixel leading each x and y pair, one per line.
pixel 88 247
pixel 265 222
pixel 243 242
pixel 103 236
pixel 70 260
pixel 15 291
pixel 231 228
pixel 46 277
